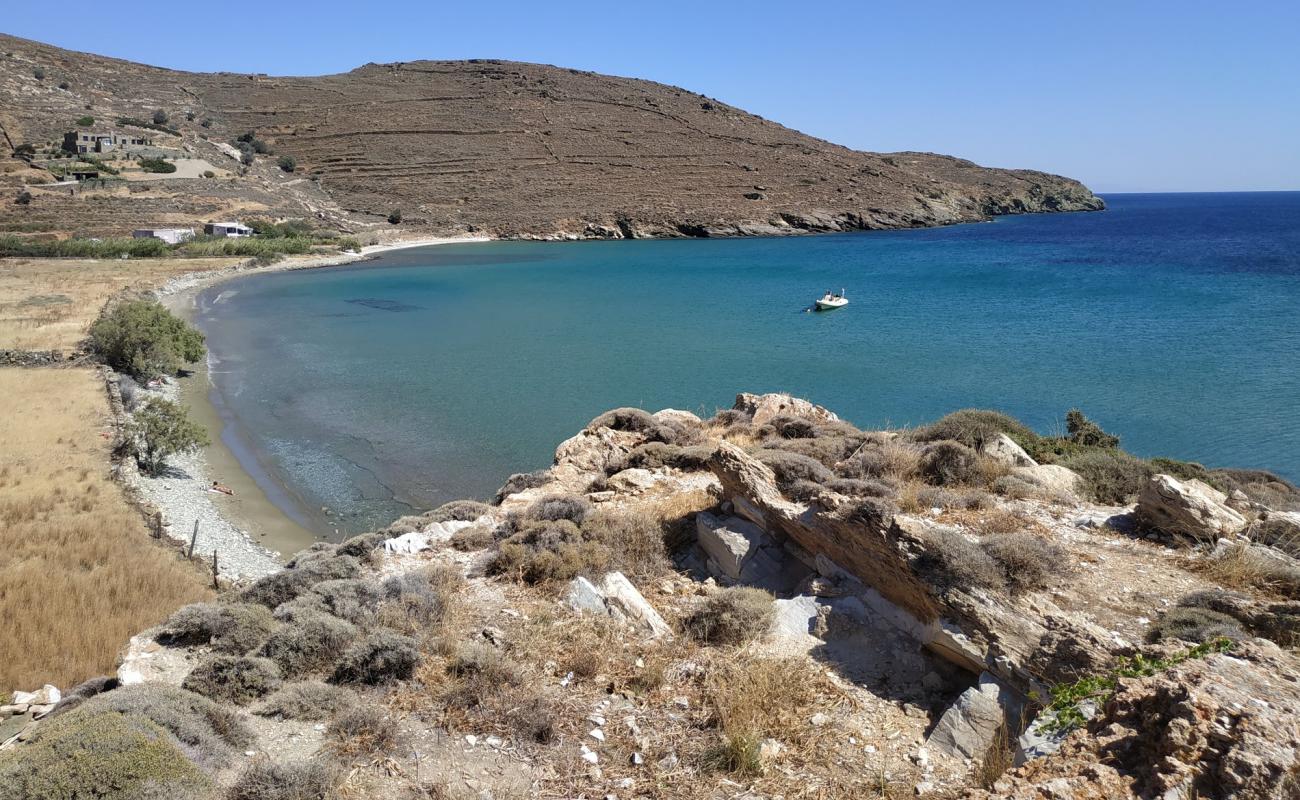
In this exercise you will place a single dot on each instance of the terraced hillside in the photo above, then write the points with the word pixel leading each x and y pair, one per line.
pixel 508 149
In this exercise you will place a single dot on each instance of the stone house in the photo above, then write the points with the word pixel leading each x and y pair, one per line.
pixel 88 142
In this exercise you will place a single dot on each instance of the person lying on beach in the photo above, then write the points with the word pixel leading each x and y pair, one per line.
pixel 221 487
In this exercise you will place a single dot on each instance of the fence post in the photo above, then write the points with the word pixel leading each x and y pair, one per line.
pixel 215 585
pixel 157 525
pixel 194 538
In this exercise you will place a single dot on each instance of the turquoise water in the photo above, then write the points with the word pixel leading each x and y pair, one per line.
pixel 434 373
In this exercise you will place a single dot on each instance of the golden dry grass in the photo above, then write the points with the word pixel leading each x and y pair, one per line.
pixel 79 574
pixel 48 303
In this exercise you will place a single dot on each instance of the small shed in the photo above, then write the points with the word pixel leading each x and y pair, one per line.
pixel 232 230
pixel 168 235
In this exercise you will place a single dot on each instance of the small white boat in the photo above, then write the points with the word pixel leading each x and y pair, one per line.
pixel 831 301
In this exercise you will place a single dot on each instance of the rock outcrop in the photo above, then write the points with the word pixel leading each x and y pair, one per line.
pixel 1187 508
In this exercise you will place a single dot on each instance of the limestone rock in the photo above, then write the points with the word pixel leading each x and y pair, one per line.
pixel 763 407
pixel 1051 479
pixel 1279 529
pixel 728 542
pixel 1187 508
pixel 632 481
pixel 971 724
pixel 617 597
pixel 1002 449
pixel 46 695
pixel 676 415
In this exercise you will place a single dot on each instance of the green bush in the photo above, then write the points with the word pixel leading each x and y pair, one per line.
pixel 1110 476
pixel 85 122
pixel 144 339
pixel 732 616
pixel 207 173
pixel 380 657
pixel 210 733
pixel 972 427
pixel 308 701
pixel 297 780
pixel 233 628
pixel 233 679
pixel 159 430
pixel 102 755
pixel 113 247
pixel 287 163
pixel 24 198
pixel 1086 432
pixel 159 165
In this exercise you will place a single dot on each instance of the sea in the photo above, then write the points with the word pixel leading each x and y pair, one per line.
pixel 360 393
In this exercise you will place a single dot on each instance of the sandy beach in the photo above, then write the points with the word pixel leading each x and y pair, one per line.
pixel 257 531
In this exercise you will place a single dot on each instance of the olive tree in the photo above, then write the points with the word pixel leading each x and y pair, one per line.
pixel 159 430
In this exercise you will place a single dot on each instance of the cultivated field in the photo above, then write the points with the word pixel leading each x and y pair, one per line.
pixel 79 574
pixel 47 304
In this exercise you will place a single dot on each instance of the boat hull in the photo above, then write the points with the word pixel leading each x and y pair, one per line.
pixel 831 305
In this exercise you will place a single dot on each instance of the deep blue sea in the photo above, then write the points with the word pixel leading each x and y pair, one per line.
pixel 430 374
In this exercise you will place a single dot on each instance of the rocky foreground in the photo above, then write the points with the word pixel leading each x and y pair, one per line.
pixel 494 147
pixel 769 603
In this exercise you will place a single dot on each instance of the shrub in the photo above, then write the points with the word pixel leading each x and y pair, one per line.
pixel 1260 486
pixel 463 510
pixel 24 198
pixel 361 545
pixel 64 85
pixel 395 216
pixel 101 755
pixel 478 671
pixel 207 173
pixel 862 487
pixel 634 538
pixel 557 507
pixel 1014 487
pixel 951 561
pixel 160 117
pixel 949 462
pixel 793 427
pixel 233 628
pixel 311 642
pixel 308 701
pixel 973 427
pixel 1028 562
pixel 1277 532
pixel 535 719
pixel 159 430
pixel 210 733
pixel 422 599
pixel 85 122
pixel 298 780
pixel 1248 566
pixel 1086 432
pixel 549 551
pixel 739 753
pixel 207 122
pixel 732 616
pixel 352 599
pixel 364 729
pixel 144 339
pixel 631 420
pixel 791 467
pixel 247 157
pixel 38 73
pixel 235 679
pixel 475 537
pixel 1110 476
pixel 828 450
pixel 287 163
pixel 1196 625
pixel 522 481
pixel 280 587
pixel 158 165
pixel 380 657
pixel 654 455
pixel 731 418
pixel 894 460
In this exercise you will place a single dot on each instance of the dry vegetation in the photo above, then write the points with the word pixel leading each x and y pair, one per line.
pixel 71 548
pixel 47 304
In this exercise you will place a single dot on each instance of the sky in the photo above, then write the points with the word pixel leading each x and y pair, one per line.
pixel 1126 96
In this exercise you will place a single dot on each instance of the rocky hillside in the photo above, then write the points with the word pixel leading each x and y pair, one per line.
pixel 503 148
pixel 769 603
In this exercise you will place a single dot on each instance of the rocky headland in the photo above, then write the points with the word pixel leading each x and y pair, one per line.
pixel 768 603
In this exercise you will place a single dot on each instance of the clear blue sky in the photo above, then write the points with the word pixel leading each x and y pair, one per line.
pixel 1127 96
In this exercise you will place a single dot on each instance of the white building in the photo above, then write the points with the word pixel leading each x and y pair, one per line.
pixel 229 229
pixel 168 235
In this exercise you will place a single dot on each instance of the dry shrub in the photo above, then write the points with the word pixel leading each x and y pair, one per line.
pixel 895 460
pixel 233 628
pixel 1195 625
pixel 364 729
pixel 632 420
pixel 234 679
pixel 1015 487
pixel 949 463
pixel 1000 520
pixel 362 545
pixel 534 719
pixel 1249 567
pixel 475 537
pixel 309 701
pixel 543 552
pixel 381 657
pixel 311 642
pixel 635 538
pixel 1259 485
pixel 731 616
pixel 863 487
pixel 973 427
pixel 1112 477
pixel 423 601
pixel 654 455
pixel 1028 562
pixel 792 467
pixel 520 482
pixel 305 571
pixel 828 451
pixel 351 599
pixel 296 780
pixel 556 507
pixel 1277 532
pixel 951 561
pixel 462 510
pixel 478 671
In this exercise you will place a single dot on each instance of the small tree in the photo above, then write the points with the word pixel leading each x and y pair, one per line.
pixel 38 74
pixel 288 163
pixel 160 117
pixel 159 430
pixel 85 122
pixel 24 198
pixel 395 217
pixel 145 340
pixel 1086 432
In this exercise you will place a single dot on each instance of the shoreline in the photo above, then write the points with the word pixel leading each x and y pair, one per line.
pixel 252 513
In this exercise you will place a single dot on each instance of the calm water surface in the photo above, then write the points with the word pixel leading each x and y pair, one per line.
pixel 434 373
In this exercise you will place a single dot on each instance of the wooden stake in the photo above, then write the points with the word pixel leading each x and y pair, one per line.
pixel 157 525
pixel 215 585
pixel 194 538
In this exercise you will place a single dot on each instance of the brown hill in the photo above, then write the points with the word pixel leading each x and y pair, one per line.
pixel 500 147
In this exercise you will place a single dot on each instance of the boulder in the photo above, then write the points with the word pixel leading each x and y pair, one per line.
pixel 1279 529
pixel 678 416
pixel 46 695
pixel 969 727
pixel 730 542
pixel 617 597
pixel 1002 449
pixel 1186 508
pixel 632 481
pixel 763 407
pixel 1051 479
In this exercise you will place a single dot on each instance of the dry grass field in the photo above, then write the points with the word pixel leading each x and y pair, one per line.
pixel 79 574
pixel 47 304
